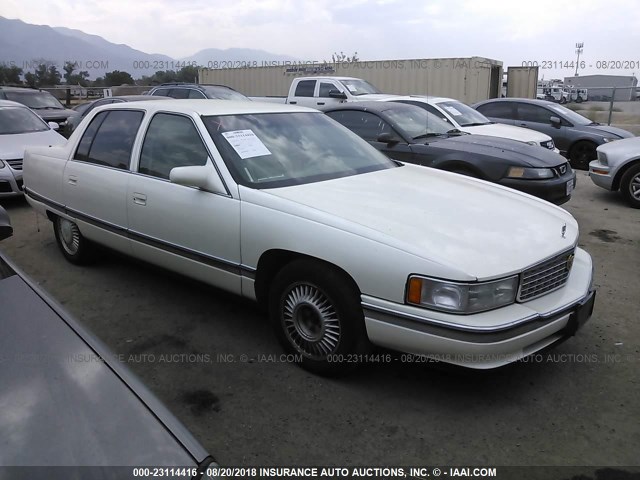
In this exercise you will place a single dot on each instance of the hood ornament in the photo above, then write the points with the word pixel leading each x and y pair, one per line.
pixel 564 230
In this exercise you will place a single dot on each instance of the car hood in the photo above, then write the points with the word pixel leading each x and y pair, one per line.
pixel 373 97
pixel 481 229
pixel 12 146
pixel 504 148
pixel 606 130
pixel 624 148
pixel 508 131
pixel 55 114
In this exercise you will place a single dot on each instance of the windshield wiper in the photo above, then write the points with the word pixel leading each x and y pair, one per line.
pixel 427 135
pixel 476 124
pixel 47 108
pixel 455 131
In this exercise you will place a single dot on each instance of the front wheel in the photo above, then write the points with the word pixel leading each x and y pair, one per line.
pixel 316 314
pixel 630 186
pixel 73 245
pixel 581 154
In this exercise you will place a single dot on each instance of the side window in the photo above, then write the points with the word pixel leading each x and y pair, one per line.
pixel 196 94
pixel 325 88
pixel 365 124
pixel 533 113
pixel 161 92
pixel 171 141
pixel 179 93
pixel 497 109
pixel 109 138
pixel 305 88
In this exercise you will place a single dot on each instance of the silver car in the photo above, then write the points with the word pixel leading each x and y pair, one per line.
pixel 618 168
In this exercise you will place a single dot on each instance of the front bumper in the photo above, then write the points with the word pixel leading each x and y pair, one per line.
pixel 489 339
pixel 601 174
pixel 554 190
pixel 10 182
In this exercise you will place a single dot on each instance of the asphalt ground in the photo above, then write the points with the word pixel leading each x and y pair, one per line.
pixel 211 357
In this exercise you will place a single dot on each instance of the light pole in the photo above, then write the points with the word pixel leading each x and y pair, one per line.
pixel 579 48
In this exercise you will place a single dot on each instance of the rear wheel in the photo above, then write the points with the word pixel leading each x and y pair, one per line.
pixel 581 154
pixel 630 186
pixel 579 99
pixel 73 245
pixel 316 314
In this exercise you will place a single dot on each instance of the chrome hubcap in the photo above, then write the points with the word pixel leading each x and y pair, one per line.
pixel 634 187
pixel 70 236
pixel 310 322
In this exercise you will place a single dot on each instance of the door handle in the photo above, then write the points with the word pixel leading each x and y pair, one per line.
pixel 523 124
pixel 139 199
pixel 292 103
pixel 73 180
pixel 320 103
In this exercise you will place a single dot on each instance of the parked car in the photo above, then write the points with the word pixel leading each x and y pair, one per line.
pixel 76 118
pixel 40 101
pixel 68 401
pixel 19 128
pixel 618 168
pixel 196 91
pixel 466 119
pixel 412 134
pixel 576 136
pixel 340 244
pixel 324 91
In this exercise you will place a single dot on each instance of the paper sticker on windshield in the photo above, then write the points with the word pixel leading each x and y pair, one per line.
pixel 452 110
pixel 246 144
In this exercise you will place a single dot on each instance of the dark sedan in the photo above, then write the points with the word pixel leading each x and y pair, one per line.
pixel 576 136
pixel 82 110
pixel 42 102
pixel 67 401
pixel 411 134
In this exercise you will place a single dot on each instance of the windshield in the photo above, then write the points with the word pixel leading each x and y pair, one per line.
pixel 225 94
pixel 464 115
pixel 571 116
pixel 359 87
pixel 280 149
pixel 14 120
pixel 35 100
pixel 416 122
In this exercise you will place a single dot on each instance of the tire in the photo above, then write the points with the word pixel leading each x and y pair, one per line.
pixel 72 244
pixel 579 99
pixel 581 153
pixel 563 100
pixel 630 186
pixel 316 314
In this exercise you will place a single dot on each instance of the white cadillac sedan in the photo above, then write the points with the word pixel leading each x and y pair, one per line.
pixel 344 247
pixel 20 127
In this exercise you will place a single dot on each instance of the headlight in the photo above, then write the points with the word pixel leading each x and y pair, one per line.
pixel 461 297
pixel 602 158
pixel 531 173
pixel 610 139
pixel 532 143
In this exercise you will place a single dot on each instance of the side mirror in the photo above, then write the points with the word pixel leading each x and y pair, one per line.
pixel 388 138
pixel 204 177
pixel 555 121
pixel 53 125
pixel 337 94
pixel 6 230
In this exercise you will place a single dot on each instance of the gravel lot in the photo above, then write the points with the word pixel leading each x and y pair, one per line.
pixel 576 405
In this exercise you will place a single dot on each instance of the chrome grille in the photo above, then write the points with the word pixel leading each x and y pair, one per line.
pixel 545 277
pixel 16 163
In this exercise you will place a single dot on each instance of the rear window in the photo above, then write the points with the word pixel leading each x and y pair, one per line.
pixel 497 109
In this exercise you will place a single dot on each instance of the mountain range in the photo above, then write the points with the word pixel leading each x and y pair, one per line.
pixel 26 46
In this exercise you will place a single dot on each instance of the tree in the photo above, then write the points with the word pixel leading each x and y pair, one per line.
pixel 117 77
pixel 68 68
pixel 10 75
pixel 46 76
pixel 188 73
pixel 342 58
pixel 30 79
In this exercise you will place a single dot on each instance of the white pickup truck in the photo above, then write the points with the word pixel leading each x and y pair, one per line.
pixel 319 92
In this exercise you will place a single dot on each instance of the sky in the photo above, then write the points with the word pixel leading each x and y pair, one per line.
pixel 542 31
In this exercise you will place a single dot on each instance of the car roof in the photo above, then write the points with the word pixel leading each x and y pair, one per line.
pixel 331 77
pixel 533 101
pixel 22 89
pixel 209 106
pixel 375 106
pixel 11 103
pixel 422 98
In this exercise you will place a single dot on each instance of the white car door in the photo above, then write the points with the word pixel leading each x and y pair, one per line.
pixel 95 179
pixel 185 229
